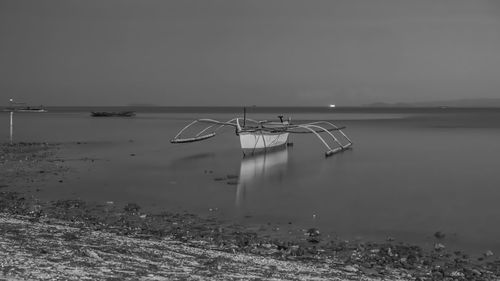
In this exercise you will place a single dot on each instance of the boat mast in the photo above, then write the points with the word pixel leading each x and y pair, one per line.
pixel 244 116
pixel 11 131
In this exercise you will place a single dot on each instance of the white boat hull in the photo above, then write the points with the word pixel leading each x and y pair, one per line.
pixel 253 142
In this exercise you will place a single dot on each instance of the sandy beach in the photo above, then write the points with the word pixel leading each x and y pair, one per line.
pixel 76 240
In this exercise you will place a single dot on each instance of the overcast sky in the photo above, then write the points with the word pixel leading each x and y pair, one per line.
pixel 165 52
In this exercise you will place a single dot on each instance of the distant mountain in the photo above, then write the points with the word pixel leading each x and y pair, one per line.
pixel 142 104
pixel 479 102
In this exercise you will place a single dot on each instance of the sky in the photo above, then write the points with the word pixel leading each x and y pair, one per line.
pixel 254 52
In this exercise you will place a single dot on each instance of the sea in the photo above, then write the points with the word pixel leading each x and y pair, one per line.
pixel 410 173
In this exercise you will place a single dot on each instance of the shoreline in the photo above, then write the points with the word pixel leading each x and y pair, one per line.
pixel 206 247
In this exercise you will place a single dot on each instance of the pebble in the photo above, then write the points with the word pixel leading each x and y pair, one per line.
pixel 457 274
pixel 132 207
pixel 439 235
pixel 92 254
pixel 351 268
pixel 439 247
pixel 476 272
pixel 313 232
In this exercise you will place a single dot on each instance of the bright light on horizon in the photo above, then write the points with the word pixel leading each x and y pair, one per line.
pixel 332 105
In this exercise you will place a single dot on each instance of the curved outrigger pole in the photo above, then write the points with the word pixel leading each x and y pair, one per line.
pixel 199 136
pixel 264 135
pixel 215 126
pixel 317 130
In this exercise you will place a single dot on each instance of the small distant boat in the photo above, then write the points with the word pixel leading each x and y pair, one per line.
pixel 37 109
pixel 112 114
pixel 32 109
pixel 22 107
pixel 261 136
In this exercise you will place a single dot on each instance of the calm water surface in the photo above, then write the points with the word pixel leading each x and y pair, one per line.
pixel 408 176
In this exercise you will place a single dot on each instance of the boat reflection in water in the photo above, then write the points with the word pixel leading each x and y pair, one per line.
pixel 258 169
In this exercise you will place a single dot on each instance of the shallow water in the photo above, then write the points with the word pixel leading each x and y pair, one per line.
pixel 409 174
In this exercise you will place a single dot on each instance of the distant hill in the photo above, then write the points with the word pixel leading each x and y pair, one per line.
pixel 142 104
pixel 480 102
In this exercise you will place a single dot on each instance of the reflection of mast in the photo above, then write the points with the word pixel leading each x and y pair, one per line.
pixel 259 168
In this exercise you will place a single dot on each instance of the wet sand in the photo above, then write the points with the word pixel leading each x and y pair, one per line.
pixel 73 239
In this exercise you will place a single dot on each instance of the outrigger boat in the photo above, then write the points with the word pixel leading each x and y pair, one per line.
pixel 261 136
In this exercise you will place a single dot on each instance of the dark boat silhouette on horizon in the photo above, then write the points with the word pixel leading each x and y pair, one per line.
pixel 112 114
pixel 26 109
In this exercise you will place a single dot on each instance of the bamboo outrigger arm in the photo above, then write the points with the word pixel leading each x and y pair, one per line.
pixel 316 130
pixel 335 128
pixel 213 128
pixel 199 136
